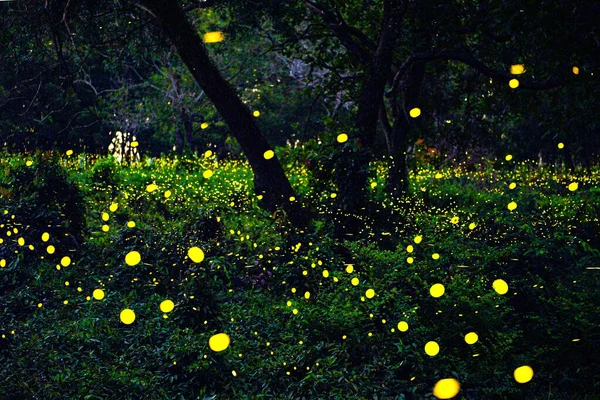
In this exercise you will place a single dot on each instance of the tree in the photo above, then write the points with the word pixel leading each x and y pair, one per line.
pixel 270 181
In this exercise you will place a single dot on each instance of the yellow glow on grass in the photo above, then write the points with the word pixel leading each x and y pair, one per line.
pixel 437 290
pixel 98 294
pixel 207 174
pixel 471 338
pixel 213 37
pixel 133 258
pixel 512 206
pixel 517 69
pixel 523 374
pixel 113 207
pixel 167 306
pixel 370 293
pixel 151 187
pixel 432 348
pixel 354 281
pixel 219 342
pixel 500 286
pixel 446 388
pixel 402 326
pixel 342 137
pixel 196 254
pixel 204 125
pixel 127 316
pixel 573 186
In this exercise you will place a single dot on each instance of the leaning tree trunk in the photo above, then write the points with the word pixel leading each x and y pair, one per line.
pixel 269 179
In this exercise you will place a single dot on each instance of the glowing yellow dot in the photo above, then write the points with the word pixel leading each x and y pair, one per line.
pixel 512 185
pixel 21 242
pixel 575 70
pixel 350 268
pixel 325 273
pixel 354 281
pixel 513 83
pixel 213 37
pixel 410 260
pixel 256 113
pixel 167 194
pixel 432 348
pixel 370 293
pixel 204 125
pixel 435 256
pixel 454 220
pixel 105 228
pixel 295 311
pixel 207 174
pixel 233 373
pixel 418 239
pixel 133 258
pixel 517 69
pixel 50 249
pixel 29 163
pixel 471 338
pixel 293 290
pixel 113 207
pixel 523 374
pixel 508 157
pixel 373 185
pixel 500 286
pixel 409 248
pixel 127 316
pixel 402 326
pixel 512 206
pixel 438 176
pixel 307 295
pixel 40 305
pixel 45 237
pixel 292 198
pixel 472 225
pixel 65 261
pixel 167 306
pixel 3 263
pixel 342 137
pixel 573 186
pixel 446 388
pixel 561 145
pixel 134 144
pixel 151 187
pixel 415 112
pixel 196 254
pixel 66 302
pixel 98 294
pixel 437 290
pixel 105 216
pixel 268 154
pixel 219 342
pixel 333 195
pixel 131 224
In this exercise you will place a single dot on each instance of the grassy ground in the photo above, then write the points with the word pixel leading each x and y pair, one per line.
pixel 308 316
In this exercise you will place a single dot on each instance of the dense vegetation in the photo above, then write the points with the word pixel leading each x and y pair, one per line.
pixel 296 304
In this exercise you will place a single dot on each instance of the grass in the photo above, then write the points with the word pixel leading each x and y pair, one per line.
pixel 299 327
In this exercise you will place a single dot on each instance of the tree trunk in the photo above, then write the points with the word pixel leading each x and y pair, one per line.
pixel 269 179
pixel 353 179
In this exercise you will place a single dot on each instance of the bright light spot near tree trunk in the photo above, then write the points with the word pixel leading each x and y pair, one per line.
pixel 370 293
pixel 513 83
pixel 432 348
pixel 500 286
pixel 196 254
pixel 213 37
pixel 517 69
pixel 523 374
pixel 127 316
pixel 219 342
pixel 342 137
pixel 437 290
pixel 268 154
pixel 133 258
pixel 512 206
pixel 471 338
pixel 98 294
pixel 415 112
pixel 446 388
pixel 573 186
pixel 167 306
pixel 402 326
